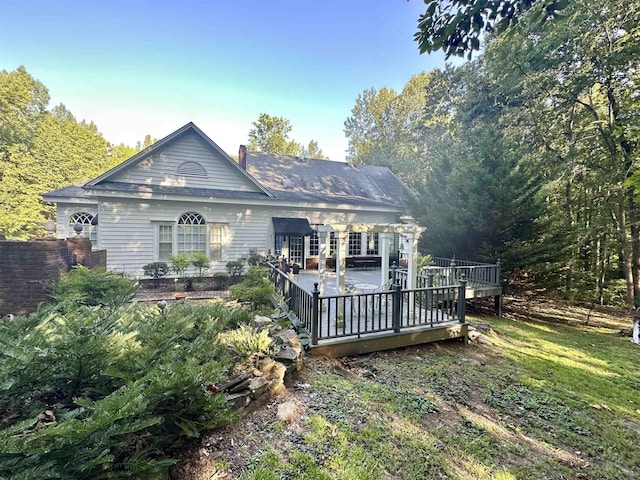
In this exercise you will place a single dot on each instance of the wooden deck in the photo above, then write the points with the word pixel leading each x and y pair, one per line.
pixel 365 322
pixel 386 341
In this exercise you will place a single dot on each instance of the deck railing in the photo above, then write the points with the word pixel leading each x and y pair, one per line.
pixel 358 314
pixel 476 274
pixel 298 300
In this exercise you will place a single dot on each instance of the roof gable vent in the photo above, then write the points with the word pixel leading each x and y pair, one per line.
pixel 191 169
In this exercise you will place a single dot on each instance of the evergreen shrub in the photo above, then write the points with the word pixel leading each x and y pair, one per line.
pixel 255 288
pixel 92 287
pixel 156 270
pixel 94 392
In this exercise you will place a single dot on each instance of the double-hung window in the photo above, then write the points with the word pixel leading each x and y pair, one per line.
pixel 165 242
pixel 216 241
pixel 355 243
pixel 372 244
pixel 190 234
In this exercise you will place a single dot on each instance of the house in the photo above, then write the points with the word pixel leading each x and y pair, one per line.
pixel 184 194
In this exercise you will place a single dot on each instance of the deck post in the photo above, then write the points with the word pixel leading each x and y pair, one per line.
pixel 497 301
pixel 315 314
pixel 429 292
pixel 462 290
pixel 322 258
pixel 396 313
pixel 453 265
pixel 394 273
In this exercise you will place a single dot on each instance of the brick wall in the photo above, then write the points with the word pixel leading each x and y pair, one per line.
pixel 26 266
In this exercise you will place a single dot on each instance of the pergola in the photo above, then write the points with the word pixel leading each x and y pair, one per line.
pixel 409 231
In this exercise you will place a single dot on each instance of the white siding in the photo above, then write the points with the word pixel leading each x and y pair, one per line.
pixel 126 227
pixel 128 231
pixel 160 168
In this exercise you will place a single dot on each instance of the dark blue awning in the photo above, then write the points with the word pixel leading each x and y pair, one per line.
pixel 291 226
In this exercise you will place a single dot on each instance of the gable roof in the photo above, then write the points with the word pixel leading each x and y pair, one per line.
pixel 160 144
pixel 313 180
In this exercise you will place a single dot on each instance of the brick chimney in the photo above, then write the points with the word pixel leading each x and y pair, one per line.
pixel 242 157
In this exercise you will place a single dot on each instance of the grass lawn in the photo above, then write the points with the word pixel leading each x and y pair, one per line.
pixel 535 400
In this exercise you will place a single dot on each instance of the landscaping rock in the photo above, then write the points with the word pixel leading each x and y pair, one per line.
pixel 287 336
pixel 286 412
pixel 262 320
pixel 225 386
pixel 241 386
pixel 287 355
pixel 257 386
pixel 240 400
pixel 473 335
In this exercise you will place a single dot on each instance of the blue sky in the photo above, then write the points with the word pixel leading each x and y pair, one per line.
pixel 148 67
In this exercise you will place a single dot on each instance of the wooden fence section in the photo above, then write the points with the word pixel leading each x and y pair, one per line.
pixel 358 320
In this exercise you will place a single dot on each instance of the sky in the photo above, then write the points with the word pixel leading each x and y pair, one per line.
pixel 137 67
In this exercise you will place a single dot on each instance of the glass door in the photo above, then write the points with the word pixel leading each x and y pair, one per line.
pixel 296 249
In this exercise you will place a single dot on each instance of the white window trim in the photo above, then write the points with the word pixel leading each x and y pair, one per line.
pixel 174 239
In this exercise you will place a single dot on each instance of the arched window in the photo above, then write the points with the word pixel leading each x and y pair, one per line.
pixel 192 233
pixel 86 220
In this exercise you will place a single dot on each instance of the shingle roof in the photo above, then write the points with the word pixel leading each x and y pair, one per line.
pixel 72 191
pixel 279 177
pixel 189 191
pixel 294 178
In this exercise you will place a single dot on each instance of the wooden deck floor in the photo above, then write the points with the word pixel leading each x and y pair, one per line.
pixel 363 323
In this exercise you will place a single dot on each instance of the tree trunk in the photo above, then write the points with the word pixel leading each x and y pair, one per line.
pixel 626 259
pixel 635 245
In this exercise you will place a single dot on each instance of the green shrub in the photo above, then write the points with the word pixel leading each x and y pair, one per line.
pixel 255 258
pixel 120 387
pixel 245 342
pixel 221 281
pixel 200 261
pixel 179 263
pixel 235 268
pixel 156 270
pixel 92 287
pixel 255 288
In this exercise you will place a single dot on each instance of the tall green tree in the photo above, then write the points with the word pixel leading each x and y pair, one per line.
pixel 42 150
pixel 271 134
pixel 478 190
pixel 61 151
pixel 572 83
pixel 384 124
pixel 314 151
pixel 23 100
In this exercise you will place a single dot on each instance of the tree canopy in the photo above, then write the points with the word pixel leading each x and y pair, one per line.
pixel 457 26
pixel 529 152
pixel 271 134
pixel 42 149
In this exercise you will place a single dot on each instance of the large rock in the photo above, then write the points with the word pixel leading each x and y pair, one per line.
pixel 257 386
pixel 286 412
pixel 240 400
